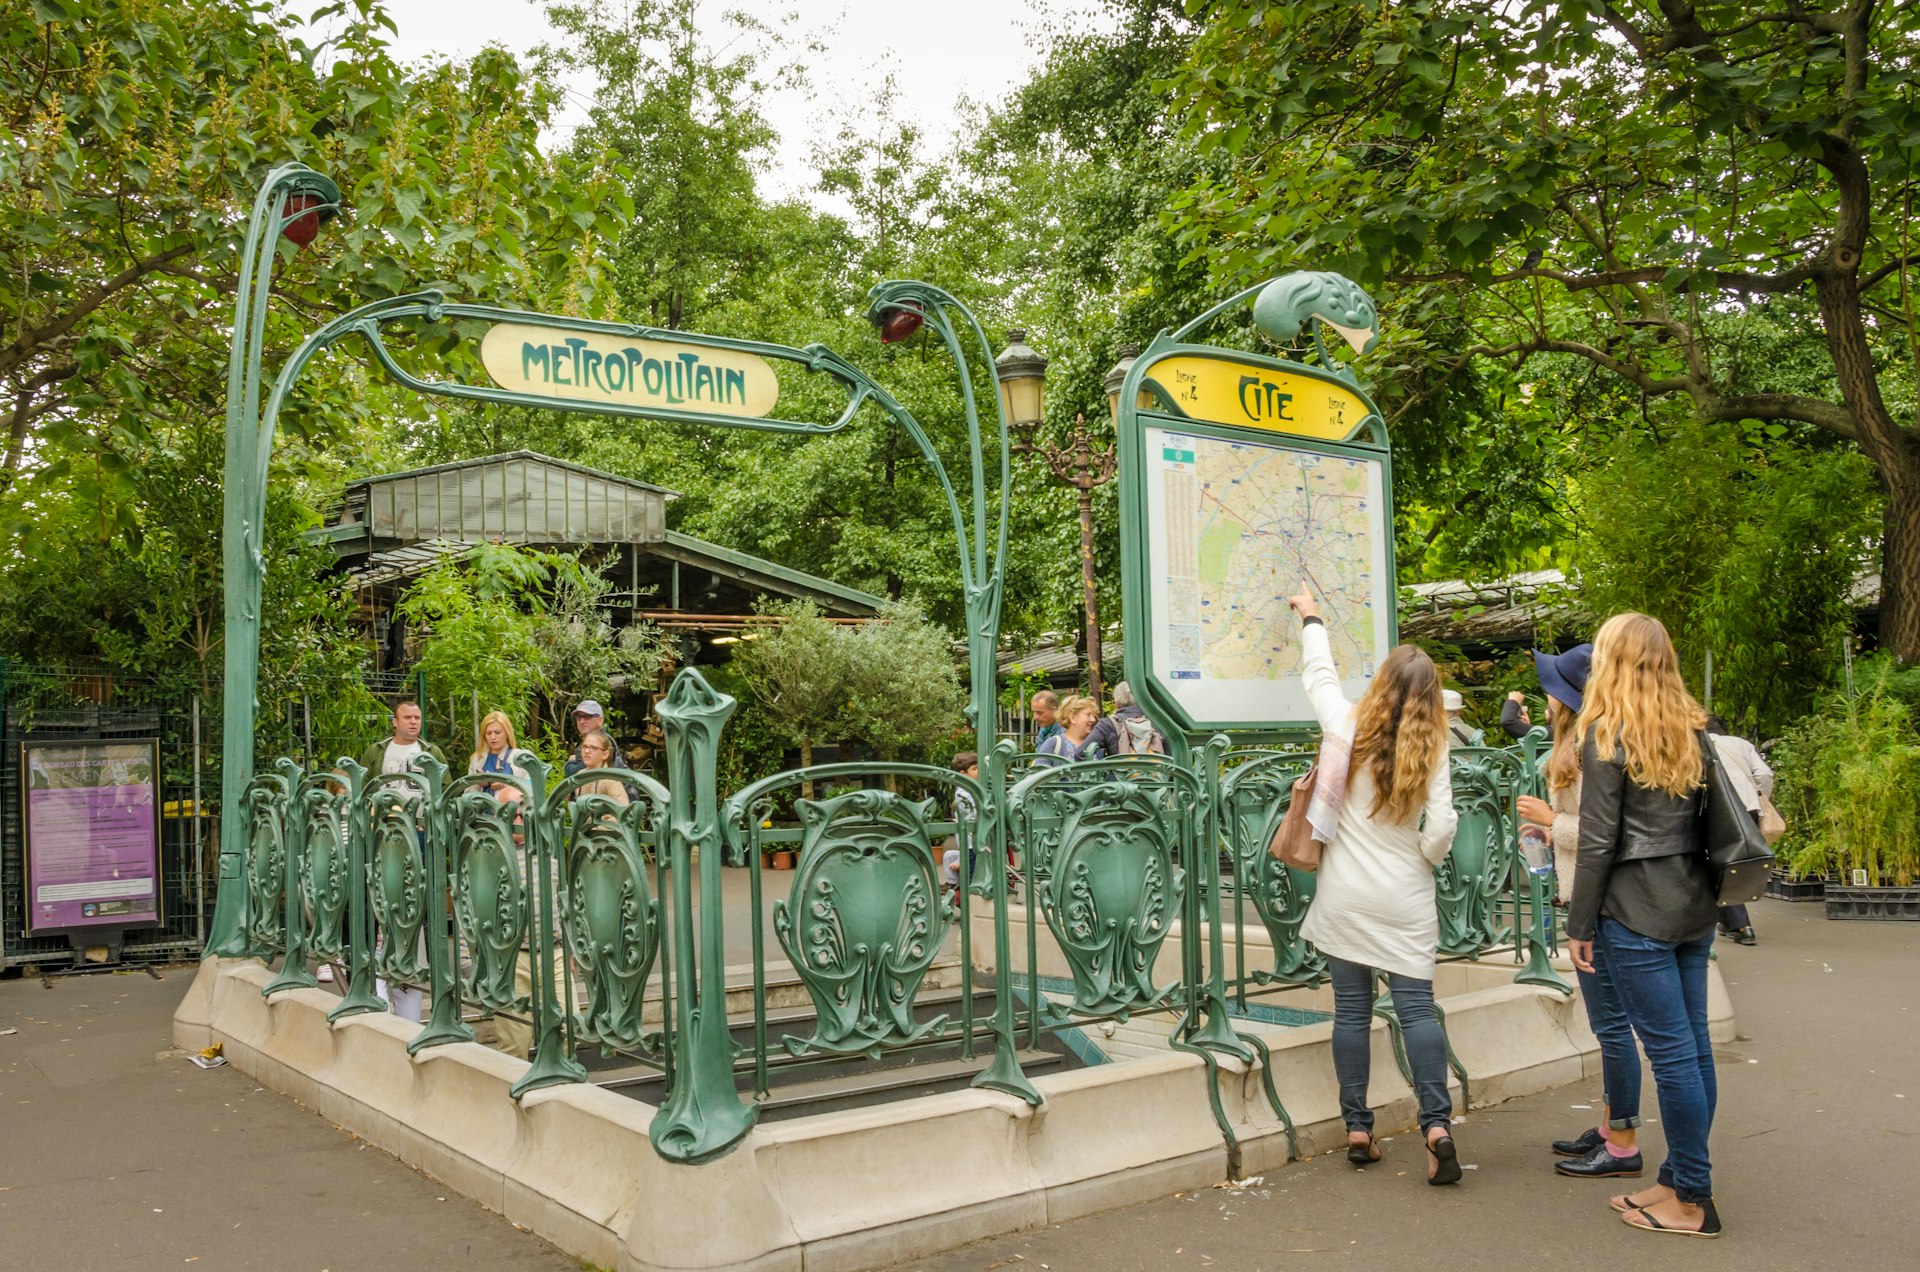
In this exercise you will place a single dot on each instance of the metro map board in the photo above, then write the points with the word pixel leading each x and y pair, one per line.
pixel 1232 516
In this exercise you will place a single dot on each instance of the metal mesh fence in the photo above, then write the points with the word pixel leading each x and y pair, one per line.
pixel 54 705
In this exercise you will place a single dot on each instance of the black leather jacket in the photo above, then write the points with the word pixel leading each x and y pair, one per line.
pixel 1641 862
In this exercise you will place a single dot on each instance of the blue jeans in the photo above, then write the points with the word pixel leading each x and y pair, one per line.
pixel 1663 987
pixel 1619 1055
pixel 1419 1032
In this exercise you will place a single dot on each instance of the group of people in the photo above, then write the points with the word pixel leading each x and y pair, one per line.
pixel 1624 779
pixel 492 758
pixel 1072 728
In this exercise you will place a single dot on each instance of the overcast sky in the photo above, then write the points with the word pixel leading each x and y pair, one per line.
pixel 938 53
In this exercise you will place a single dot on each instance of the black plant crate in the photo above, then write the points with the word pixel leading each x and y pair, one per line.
pixel 1873 903
pixel 1781 888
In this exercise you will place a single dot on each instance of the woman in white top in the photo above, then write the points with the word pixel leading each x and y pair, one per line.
pixel 1374 905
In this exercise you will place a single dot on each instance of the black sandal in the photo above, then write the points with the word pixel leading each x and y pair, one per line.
pixel 1364 1154
pixel 1446 1161
pixel 1709 1222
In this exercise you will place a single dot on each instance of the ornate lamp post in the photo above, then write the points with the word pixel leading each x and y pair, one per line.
pixel 1079 464
pixel 294 202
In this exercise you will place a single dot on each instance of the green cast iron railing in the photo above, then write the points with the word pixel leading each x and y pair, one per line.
pixel 586 917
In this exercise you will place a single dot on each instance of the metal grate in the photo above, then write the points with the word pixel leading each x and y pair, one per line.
pixel 55 704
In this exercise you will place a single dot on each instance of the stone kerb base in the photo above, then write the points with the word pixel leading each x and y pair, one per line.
pixel 838 1191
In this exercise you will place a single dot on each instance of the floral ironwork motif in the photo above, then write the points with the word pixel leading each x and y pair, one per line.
pixel 397 889
pixel 1257 794
pixel 323 873
pixel 1477 870
pixel 863 923
pixel 610 918
pixel 489 900
pixel 1111 898
pixel 266 862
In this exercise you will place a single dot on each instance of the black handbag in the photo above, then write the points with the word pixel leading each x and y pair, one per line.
pixel 1738 858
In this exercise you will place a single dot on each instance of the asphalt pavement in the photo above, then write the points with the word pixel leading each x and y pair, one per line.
pixel 115 1152
pixel 1816 1152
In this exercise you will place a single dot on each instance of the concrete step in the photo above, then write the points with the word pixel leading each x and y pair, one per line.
pixel 857 1090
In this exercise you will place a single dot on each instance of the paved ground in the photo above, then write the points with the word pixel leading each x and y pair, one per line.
pixel 1816 1153
pixel 114 1153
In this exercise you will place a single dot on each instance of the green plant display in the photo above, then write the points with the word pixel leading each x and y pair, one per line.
pixel 1848 785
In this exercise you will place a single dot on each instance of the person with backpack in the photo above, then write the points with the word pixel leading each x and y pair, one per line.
pixel 1127 731
pixel 1075 742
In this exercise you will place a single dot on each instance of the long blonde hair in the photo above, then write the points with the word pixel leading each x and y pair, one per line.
pixel 1636 701
pixel 1563 761
pixel 480 748
pixel 1400 732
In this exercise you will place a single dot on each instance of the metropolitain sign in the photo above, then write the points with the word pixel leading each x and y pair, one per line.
pixel 594 366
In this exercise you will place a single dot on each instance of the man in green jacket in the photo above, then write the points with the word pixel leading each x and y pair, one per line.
pixel 397 753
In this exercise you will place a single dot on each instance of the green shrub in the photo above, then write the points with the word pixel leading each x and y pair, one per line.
pixel 1848 785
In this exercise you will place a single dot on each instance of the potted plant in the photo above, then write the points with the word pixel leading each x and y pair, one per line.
pixel 1849 789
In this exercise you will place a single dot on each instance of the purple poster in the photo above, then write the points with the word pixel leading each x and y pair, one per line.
pixel 92 835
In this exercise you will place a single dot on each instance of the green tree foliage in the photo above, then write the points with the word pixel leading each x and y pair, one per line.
pixel 797 668
pixel 136 134
pixel 1599 181
pixel 903 691
pixel 1750 557
pixel 524 632
pixel 683 127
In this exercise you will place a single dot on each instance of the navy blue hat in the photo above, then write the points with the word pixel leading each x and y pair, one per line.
pixel 1564 676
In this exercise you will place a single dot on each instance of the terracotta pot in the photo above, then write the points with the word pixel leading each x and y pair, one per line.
pixel 783 859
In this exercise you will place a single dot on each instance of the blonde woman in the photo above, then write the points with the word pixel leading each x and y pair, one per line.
pixel 1392 821
pixel 1610 1149
pixel 1077 717
pixel 1643 899
pixel 495 752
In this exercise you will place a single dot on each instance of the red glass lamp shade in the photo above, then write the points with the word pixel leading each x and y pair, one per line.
pixel 900 322
pixel 303 218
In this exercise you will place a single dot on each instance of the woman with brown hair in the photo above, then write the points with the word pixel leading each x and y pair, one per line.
pixel 1609 1149
pixel 1374 907
pixel 1643 896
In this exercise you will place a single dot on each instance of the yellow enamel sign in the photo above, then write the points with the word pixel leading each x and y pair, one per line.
pixel 592 366
pixel 1226 392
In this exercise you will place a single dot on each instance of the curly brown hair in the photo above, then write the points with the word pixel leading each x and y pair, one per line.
pixel 1400 732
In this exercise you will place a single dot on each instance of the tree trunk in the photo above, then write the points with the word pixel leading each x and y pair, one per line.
pixel 1890 447
pixel 806 761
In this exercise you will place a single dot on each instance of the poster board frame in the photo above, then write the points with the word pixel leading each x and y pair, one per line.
pixel 1146 403
pixel 102 925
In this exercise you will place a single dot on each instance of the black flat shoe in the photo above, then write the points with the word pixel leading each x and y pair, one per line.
pixel 1745 936
pixel 1588 1140
pixel 1601 1164
pixel 1446 1161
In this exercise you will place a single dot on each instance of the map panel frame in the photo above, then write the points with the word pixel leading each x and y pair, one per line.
pixel 1146 405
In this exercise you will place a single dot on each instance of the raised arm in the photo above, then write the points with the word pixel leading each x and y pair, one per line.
pixel 1318 676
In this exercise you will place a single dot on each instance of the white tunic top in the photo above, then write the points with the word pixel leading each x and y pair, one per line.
pixel 1374 903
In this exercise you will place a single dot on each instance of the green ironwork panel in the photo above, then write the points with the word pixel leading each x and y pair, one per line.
pixel 1478 869
pixel 267 816
pixel 489 899
pixel 610 917
pixel 863 921
pixel 1257 792
pixel 1103 844
pixel 323 869
pixel 397 883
